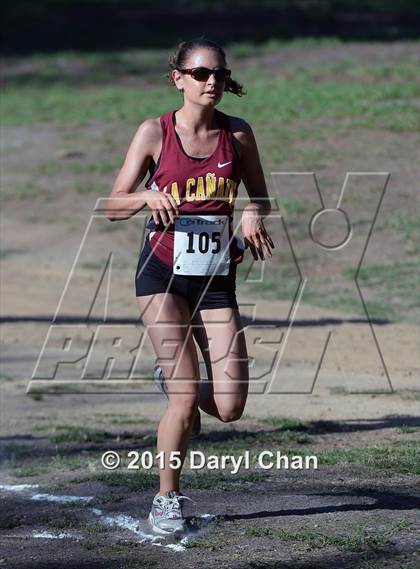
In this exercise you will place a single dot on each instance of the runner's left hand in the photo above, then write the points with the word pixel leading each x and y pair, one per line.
pixel 255 235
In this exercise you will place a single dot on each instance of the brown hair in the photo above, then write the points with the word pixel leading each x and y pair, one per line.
pixel 179 57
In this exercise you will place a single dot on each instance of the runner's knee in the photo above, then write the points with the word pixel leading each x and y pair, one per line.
pixel 231 415
pixel 184 406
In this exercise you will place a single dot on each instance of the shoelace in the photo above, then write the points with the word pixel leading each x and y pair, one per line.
pixel 171 506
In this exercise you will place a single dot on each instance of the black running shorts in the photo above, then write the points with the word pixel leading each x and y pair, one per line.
pixel 153 276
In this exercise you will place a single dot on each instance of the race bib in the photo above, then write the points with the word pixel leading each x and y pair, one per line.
pixel 201 245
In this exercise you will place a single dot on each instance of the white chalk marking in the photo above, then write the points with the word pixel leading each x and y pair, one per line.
pixel 208 517
pixel 56 535
pixel 62 499
pixel 17 487
pixel 175 546
pixel 127 522
pixel 121 520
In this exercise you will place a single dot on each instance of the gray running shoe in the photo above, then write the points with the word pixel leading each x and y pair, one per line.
pixel 161 385
pixel 166 516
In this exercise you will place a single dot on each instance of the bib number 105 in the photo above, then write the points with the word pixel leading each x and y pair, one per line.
pixel 201 245
pixel 204 242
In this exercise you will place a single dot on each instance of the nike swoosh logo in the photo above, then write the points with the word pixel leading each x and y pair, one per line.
pixel 225 164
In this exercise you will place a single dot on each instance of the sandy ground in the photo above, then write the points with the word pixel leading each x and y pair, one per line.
pixel 346 387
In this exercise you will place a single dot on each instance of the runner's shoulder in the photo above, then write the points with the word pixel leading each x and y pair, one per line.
pixel 240 128
pixel 150 128
pixel 149 133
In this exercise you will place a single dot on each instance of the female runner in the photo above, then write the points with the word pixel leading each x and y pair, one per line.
pixel 185 281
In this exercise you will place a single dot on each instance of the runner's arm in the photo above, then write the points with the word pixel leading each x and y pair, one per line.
pixel 253 229
pixel 251 170
pixel 124 201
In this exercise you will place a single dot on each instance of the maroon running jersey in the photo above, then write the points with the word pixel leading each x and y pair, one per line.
pixel 200 186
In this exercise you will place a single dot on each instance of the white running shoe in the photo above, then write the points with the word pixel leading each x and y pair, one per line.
pixel 161 385
pixel 160 380
pixel 166 516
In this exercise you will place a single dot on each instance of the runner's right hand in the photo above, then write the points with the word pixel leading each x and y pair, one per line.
pixel 164 207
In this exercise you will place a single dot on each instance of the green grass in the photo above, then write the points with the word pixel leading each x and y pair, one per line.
pixel 5 253
pixel 390 290
pixel 401 524
pixel 50 465
pixel 378 274
pixel 50 168
pixel 99 166
pixel 285 424
pixel 36 396
pixel 5 377
pixel 66 521
pixel 122 419
pixel 305 95
pixel 134 482
pixel 122 545
pixel 358 540
pixel 79 166
pixel 65 104
pixel 212 543
pixel 24 190
pixel 90 68
pixel 244 49
pixel 311 159
pixel 406 429
pixel 272 101
pixel 281 284
pixel 66 434
pixel 402 457
pixel 407 225
pixel 89 545
pixel 237 441
pixel 292 206
pixel 395 286
pixel 144 480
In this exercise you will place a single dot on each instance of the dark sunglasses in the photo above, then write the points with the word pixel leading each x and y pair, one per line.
pixel 203 73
